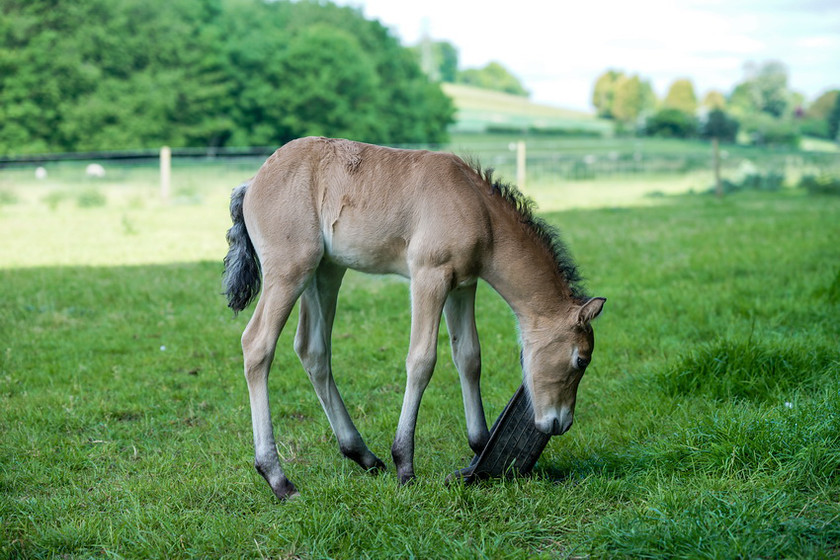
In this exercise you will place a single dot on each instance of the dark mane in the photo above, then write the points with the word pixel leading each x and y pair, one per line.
pixel 546 234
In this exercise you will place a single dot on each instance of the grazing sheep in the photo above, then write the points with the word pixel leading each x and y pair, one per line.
pixel 95 170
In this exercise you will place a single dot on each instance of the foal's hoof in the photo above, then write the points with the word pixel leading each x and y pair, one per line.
pixel 377 466
pixel 365 459
pixel 406 478
pixel 285 490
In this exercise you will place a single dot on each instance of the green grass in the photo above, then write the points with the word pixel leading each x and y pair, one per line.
pixel 708 425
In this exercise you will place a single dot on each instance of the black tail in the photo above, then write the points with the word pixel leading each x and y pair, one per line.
pixel 242 266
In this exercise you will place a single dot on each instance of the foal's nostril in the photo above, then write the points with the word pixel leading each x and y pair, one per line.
pixel 555 427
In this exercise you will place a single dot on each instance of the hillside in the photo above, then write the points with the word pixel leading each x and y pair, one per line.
pixel 481 110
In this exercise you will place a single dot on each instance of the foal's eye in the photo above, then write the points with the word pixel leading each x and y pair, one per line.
pixel 582 363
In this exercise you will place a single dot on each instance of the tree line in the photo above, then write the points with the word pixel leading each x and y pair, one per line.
pixel 439 60
pixel 762 107
pixel 97 74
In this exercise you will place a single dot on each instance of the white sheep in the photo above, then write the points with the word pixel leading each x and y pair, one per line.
pixel 95 170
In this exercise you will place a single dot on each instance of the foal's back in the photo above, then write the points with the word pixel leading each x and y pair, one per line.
pixel 370 208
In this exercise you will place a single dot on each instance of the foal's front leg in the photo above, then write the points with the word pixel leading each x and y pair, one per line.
pixel 428 294
pixel 466 353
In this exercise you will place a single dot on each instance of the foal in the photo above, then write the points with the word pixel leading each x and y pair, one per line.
pixel 319 206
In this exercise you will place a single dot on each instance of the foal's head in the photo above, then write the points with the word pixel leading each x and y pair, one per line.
pixel 554 358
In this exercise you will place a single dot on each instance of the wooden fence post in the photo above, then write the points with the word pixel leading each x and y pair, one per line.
pixel 520 164
pixel 165 172
pixel 716 158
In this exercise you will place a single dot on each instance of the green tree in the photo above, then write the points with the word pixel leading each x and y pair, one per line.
pixel 764 90
pixel 621 97
pixel 681 97
pixel 88 70
pixel 493 76
pixel 714 100
pixel 719 125
pixel 447 56
pixel 765 107
pixel 97 74
pixel 743 101
pixel 174 93
pixel 770 79
pixel 834 120
pixel 438 59
pixel 816 118
pixel 603 93
pixel 823 105
pixel 40 68
pixel 410 108
pixel 632 98
pixel 335 90
pixel 413 108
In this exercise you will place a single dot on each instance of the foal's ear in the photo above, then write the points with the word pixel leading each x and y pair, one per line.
pixel 590 310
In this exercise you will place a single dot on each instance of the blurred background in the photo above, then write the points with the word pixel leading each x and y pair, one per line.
pixel 115 103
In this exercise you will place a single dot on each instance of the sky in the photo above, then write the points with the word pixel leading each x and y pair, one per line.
pixel 559 48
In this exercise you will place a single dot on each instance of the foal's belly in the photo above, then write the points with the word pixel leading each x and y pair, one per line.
pixel 403 252
pixel 369 254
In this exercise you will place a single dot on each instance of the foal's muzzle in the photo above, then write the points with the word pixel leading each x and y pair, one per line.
pixel 555 424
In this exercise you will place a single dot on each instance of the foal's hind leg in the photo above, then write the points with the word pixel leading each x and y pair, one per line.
pixel 466 353
pixel 258 345
pixel 313 347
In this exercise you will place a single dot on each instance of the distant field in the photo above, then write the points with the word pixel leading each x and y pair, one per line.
pixel 480 110
pixel 121 218
pixel 566 147
pixel 125 205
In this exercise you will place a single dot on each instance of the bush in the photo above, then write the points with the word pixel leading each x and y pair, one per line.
pixel 780 135
pixel 671 123
pixel 7 198
pixel 814 127
pixel 53 198
pixel 820 184
pixel 765 130
pixel 767 182
pixel 91 199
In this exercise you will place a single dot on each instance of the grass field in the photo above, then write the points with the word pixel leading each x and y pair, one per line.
pixel 708 425
pixel 480 109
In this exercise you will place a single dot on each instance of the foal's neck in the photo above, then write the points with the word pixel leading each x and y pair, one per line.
pixel 523 271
